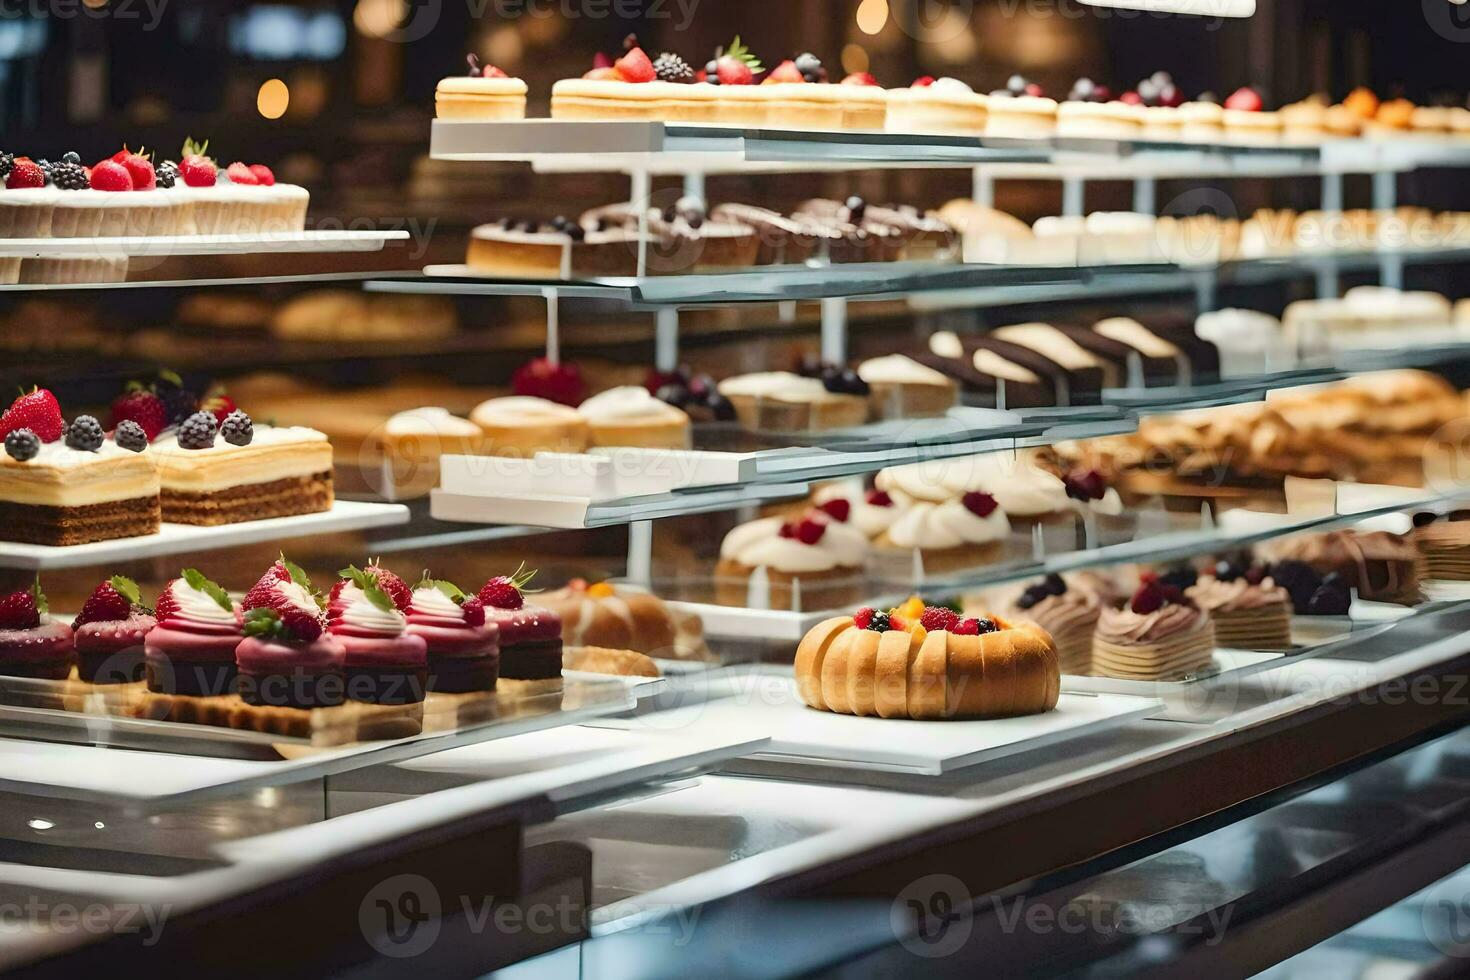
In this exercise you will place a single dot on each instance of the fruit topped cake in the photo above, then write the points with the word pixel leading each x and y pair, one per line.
pixel 943 105
pixel 224 470
pixel 110 631
pixel 32 643
pixel 287 658
pixel 1020 110
pixel 1159 634
pixel 797 95
pixel 1246 121
pixel 191 650
pixel 1249 610
pixel 811 562
pixel 530 636
pixel 925 663
pixel 1068 611
pixel 1383 567
pixel 65 484
pixel 485 92
pixel 970 529
pixel 871 511
pixel 1091 111
pixel 464 649
pixel 385 662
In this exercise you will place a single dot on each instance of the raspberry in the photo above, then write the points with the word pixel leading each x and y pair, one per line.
pixel 879 498
pixel 110 176
pixel 810 531
pixel 939 618
pixel 863 617
pixel 85 434
pixel 474 611
pixel 838 508
pixel 198 431
pixel 979 504
pixel 22 445
pixel 1149 598
pixel 112 600
pixel 25 174
pixel 19 611
pixel 635 67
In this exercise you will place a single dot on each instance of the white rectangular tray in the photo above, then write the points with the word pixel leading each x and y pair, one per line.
pixel 181 539
pixel 161 245
pixel 762 701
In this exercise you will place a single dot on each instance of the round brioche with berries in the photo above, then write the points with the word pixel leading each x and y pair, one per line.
pixel 893 665
pixel 625 618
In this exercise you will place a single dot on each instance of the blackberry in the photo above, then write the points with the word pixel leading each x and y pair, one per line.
pixel 7 164
pixel 983 626
pixel 69 176
pixel 880 623
pixel 178 401
pixel 671 68
pixel 129 435
pixel 84 433
pixel 237 429
pixel 167 174
pixel 197 432
pixel 22 445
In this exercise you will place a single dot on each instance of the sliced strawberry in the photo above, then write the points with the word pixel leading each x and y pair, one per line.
pixel 111 176
pixel 785 73
pixel 37 411
pixel 860 78
pixel 635 67
pixel 263 175
pixel 241 174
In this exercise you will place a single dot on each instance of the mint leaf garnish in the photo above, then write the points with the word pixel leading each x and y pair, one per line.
pixel 126 588
pixel 199 583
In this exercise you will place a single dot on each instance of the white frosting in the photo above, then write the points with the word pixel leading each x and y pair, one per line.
pixel 947 525
pixel 1132 222
pixel 360 613
pixel 299 596
pixel 628 402
pixel 1047 340
pixel 265 436
pixel 432 602
pixel 991 363
pixel 898 369
pixel 197 605
pixel 759 543
pixel 870 519
pixel 1232 328
pixel 1021 489
pixel 520 408
pixel 946 343
pixel 778 385
pixel 1127 330
pixel 430 421
pixel 59 456
pixel 950 86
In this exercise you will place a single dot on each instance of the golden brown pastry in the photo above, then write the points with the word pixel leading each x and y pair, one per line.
pixel 624 618
pixel 890 666
pixel 602 660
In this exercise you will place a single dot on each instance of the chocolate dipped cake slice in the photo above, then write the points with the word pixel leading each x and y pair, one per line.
pixel 983 372
pixel 1078 385
pixel 1133 364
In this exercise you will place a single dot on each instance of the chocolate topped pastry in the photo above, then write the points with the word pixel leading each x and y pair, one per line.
pixel 857 237
pixel 682 238
pixel 1383 567
pixel 980 372
pixel 1162 364
pixel 1074 382
pixel 783 240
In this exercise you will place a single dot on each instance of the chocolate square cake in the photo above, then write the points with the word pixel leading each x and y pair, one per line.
pixel 66 496
pixel 278 472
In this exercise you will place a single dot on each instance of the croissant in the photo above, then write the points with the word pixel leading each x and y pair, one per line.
pixel 1009 671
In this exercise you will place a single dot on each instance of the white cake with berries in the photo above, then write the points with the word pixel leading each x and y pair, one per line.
pixel 485 93
pixel 66 484
pixel 224 472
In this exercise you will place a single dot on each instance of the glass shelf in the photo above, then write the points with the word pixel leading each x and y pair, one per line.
pixel 159 246
pixel 327 277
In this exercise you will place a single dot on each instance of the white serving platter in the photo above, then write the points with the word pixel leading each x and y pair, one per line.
pixel 180 539
pixel 162 245
pixel 763 702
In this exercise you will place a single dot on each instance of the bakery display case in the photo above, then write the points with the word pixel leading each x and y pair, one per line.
pixel 604 514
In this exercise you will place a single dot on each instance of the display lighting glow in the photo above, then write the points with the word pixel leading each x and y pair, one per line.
pixel 1197 8
pixel 854 58
pixel 270 32
pixel 378 18
pixel 21 38
pixel 273 98
pixel 872 16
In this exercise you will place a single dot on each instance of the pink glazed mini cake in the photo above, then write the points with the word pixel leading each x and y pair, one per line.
pixel 109 633
pixel 287 658
pixel 192 649
pixel 33 644
pixel 464 650
pixel 384 663
pixel 530 637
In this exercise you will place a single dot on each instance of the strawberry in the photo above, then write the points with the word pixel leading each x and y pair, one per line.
pixel 111 176
pixel 604 74
pixel 635 67
pixel 240 174
pixel 860 78
pixel 732 71
pixel 390 583
pixel 25 174
pixel 810 530
pixel 979 504
pixel 1244 100
pixel 263 175
pixel 1034 90
pixel 285 623
pixel 218 404
pixel 474 611
pixel 142 406
pixel 923 81
pixel 897 622
pixel 1131 98
pixel 838 508
pixel 37 411
pixel 541 378
pixel 22 610
pixel 112 600
pixel 939 618
pixel 166 606
pixel 490 71
pixel 879 498
pixel 140 170
pixel 863 617
pixel 784 73
pixel 507 591
pixel 199 171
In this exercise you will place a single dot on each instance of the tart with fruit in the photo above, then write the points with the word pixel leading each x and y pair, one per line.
pixel 664 87
pixel 1090 111
pixel 530 636
pixel 66 483
pixel 927 663
pixel 1021 110
pixel 110 631
pixel 1249 610
pixel 808 562
pixel 32 642
pixel 1068 611
pixel 1246 120
pixel 960 532
pixel 1158 635
pixel 797 95
pixel 937 105
pixel 485 92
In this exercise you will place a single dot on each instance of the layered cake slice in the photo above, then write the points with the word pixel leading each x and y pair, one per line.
pixel 68 484
pixel 1248 609
pixel 225 473
pixel 1159 635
